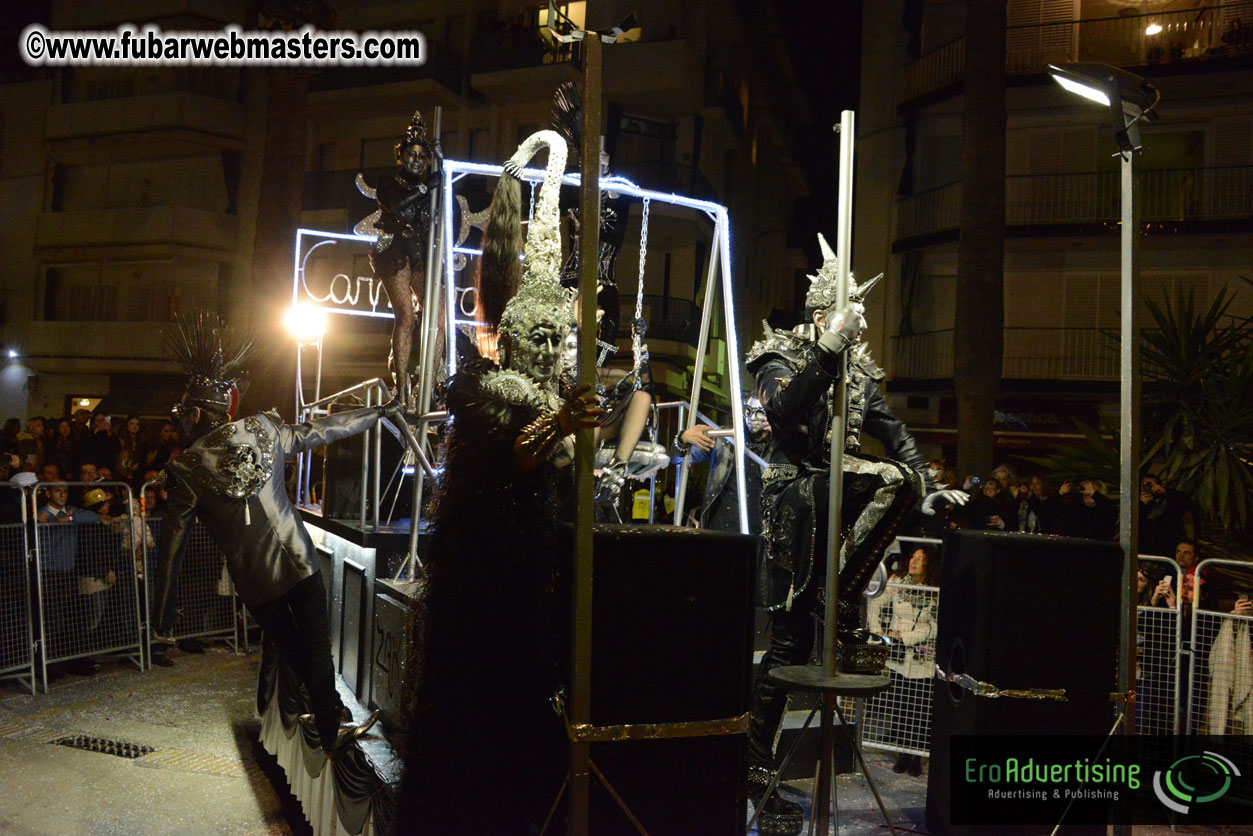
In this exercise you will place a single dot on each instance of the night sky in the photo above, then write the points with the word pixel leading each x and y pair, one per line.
pixel 824 38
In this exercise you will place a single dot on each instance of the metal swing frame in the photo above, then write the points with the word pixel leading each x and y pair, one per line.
pixel 442 254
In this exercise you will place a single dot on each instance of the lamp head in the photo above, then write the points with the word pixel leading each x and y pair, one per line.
pixel 1128 96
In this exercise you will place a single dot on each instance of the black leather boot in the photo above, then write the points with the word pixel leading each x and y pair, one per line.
pixel 777 816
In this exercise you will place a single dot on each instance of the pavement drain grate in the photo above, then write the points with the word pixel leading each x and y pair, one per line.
pixel 119 748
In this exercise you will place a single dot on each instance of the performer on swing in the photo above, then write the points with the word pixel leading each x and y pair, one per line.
pixel 796 376
pixel 484 751
pixel 232 477
pixel 402 225
pixel 628 396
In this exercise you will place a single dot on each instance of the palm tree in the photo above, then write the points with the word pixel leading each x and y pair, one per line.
pixel 1197 417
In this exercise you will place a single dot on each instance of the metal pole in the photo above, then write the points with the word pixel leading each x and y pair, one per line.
pixel 824 791
pixel 430 303
pixel 733 370
pixel 843 250
pixel 378 465
pixel 698 371
pixel 684 464
pixel 1129 441
pixel 585 445
pixel 365 461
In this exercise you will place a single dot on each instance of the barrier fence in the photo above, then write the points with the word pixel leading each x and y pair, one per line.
pixel 77 585
pixel 899 718
pixel 17 643
pixel 88 601
pixel 206 600
pixel 1220 699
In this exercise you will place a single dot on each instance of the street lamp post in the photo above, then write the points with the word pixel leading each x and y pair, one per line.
pixel 1130 99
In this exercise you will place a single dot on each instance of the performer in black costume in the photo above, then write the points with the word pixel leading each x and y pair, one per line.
pixel 402 225
pixel 484 751
pixel 232 478
pixel 796 375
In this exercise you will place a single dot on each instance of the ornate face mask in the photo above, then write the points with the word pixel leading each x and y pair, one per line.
pixel 540 303
pixel 415 160
pixel 539 355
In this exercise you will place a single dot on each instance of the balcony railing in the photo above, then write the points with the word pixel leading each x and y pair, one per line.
pixel 509 48
pixel 1162 195
pixel 1202 34
pixel 1030 354
pixel 679 178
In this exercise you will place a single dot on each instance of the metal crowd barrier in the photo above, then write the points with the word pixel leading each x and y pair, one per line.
pixel 899 719
pixel 1220 699
pixel 17 642
pixel 1160 656
pixel 85 574
pixel 206 597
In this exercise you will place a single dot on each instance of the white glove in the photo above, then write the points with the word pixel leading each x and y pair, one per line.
pixel 954 497
pixel 844 326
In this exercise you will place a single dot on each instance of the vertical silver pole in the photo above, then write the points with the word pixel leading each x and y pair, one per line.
pixel 683 465
pixel 733 369
pixel 39 589
pixel 365 458
pixel 843 250
pixel 378 462
pixel 1129 440
pixel 698 371
pixel 435 253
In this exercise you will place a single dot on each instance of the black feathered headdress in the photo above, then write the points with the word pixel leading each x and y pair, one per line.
pixel 567 119
pixel 211 355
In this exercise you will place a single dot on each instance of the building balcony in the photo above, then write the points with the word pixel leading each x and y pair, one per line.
pixel 1208 33
pixel 121 341
pixel 661 78
pixel 159 225
pixel 679 178
pixel 1180 199
pixel 1067 354
pixel 157 119
pixel 439 78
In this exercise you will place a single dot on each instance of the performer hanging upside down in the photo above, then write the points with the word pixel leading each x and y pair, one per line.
pixel 402 225
pixel 796 376
pixel 232 478
pixel 484 751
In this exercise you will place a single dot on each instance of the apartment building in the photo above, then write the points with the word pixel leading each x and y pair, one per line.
pixel 133 193
pixel 1194 191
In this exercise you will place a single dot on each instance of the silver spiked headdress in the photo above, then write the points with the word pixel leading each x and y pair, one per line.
pixel 823 285
pixel 540 297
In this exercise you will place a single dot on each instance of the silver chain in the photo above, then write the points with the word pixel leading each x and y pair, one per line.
pixel 639 293
pixel 531 214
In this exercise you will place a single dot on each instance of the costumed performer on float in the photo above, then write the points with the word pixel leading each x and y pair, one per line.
pixel 402 226
pixel 484 751
pixel 232 478
pixel 796 375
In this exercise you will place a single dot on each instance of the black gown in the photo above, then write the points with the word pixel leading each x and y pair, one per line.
pixel 484 752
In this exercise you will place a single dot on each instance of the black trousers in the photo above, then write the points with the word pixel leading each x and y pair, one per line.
pixel 296 623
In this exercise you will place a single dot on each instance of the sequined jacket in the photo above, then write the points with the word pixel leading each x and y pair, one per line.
pixel 233 479
pixel 795 378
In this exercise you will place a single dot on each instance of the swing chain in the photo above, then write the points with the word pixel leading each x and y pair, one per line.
pixel 639 293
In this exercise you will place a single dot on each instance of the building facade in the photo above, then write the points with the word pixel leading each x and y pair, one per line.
pixel 132 193
pixel 1194 191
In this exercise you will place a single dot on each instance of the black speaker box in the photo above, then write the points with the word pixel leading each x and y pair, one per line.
pixel 1022 611
pixel 341 478
pixel 672 641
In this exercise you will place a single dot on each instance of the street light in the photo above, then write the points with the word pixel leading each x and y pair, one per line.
pixel 1130 98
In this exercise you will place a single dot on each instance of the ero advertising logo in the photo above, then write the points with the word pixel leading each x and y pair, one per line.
pixel 1194 779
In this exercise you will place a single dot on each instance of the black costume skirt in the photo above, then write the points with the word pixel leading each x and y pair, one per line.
pixel 878 495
